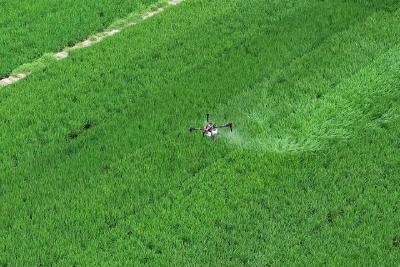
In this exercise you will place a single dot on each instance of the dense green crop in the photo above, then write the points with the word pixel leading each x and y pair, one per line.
pixel 96 166
pixel 28 29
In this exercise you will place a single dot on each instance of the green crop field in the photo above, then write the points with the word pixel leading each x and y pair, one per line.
pixel 97 167
pixel 28 29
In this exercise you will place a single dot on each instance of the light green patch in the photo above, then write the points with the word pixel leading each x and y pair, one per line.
pixel 270 143
pixel 36 65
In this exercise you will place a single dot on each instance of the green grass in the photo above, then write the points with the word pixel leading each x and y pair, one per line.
pixel 30 29
pixel 97 167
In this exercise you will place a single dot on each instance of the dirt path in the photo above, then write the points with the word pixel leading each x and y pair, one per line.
pixel 114 28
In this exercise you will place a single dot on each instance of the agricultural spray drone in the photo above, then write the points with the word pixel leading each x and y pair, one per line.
pixel 211 129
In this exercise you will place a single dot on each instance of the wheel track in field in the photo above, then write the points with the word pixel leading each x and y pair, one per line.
pixel 27 69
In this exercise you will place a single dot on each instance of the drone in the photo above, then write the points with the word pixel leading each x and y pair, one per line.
pixel 211 129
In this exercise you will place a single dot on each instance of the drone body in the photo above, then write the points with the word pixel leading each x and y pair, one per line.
pixel 211 129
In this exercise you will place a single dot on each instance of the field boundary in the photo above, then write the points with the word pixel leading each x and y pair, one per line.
pixel 117 26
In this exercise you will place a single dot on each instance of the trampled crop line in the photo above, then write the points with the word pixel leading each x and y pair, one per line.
pixel 27 69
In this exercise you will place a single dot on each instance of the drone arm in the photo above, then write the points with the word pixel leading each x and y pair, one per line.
pixel 228 125
pixel 195 129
